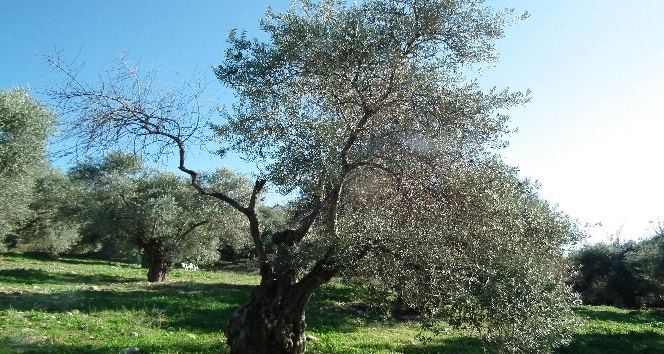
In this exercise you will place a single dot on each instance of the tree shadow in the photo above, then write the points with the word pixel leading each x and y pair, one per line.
pixel 187 305
pixel 41 257
pixel 457 345
pixel 620 338
pixel 17 346
pixel 633 317
pixel 28 276
pixel 648 342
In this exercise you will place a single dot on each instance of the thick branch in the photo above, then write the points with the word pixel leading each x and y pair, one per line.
pixel 320 273
pixel 193 227
pixel 291 237
pixel 254 226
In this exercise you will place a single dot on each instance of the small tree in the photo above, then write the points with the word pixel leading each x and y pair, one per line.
pixel 363 111
pixel 24 128
pixel 95 180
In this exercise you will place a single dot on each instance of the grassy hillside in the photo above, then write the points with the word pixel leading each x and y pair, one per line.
pixel 87 306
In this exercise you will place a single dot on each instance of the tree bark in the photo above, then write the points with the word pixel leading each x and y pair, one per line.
pixel 273 321
pixel 158 267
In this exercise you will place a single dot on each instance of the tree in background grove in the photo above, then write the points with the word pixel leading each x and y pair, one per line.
pixel 629 274
pixel 24 127
pixel 365 113
pixel 155 213
pixel 53 225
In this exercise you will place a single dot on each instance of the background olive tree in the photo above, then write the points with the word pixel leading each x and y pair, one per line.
pixel 364 111
pixel 24 127
pixel 132 208
pixel 646 264
pixel 53 225
pixel 629 274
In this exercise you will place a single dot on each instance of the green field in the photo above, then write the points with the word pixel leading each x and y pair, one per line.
pixel 86 306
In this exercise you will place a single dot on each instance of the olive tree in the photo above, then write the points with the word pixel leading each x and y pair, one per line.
pixel 155 212
pixel 53 224
pixel 24 127
pixel 645 262
pixel 365 112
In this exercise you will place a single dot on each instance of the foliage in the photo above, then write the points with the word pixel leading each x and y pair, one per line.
pixel 99 183
pixel 602 276
pixel 24 127
pixel 500 272
pixel 53 225
pixel 621 274
pixel 646 264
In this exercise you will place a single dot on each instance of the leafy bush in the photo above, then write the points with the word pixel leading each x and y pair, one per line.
pixel 624 275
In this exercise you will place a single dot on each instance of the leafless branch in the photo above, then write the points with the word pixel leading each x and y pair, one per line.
pixel 125 109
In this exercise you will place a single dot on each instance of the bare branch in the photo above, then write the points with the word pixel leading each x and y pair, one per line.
pixel 125 109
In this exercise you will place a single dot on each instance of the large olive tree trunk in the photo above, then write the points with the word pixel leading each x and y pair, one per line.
pixel 273 321
pixel 158 266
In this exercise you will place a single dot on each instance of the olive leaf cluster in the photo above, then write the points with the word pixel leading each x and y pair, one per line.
pixel 474 247
pixel 336 89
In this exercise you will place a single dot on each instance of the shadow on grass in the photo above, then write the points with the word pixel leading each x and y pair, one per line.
pixel 41 257
pixel 640 339
pixel 38 276
pixel 633 342
pixel 633 317
pixel 461 345
pixel 195 307
pixel 11 346
pixel 201 307
pixel 187 305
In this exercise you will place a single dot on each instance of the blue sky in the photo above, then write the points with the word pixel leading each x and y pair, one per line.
pixel 592 135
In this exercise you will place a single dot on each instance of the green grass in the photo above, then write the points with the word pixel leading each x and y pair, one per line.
pixel 86 306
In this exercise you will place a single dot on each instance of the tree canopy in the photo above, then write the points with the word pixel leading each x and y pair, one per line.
pixel 134 208
pixel 53 226
pixel 24 127
pixel 366 113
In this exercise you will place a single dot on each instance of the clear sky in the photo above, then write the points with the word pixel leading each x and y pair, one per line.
pixel 592 135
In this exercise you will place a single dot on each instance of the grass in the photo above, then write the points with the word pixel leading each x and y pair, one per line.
pixel 87 306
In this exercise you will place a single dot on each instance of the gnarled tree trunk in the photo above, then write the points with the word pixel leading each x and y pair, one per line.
pixel 158 266
pixel 273 321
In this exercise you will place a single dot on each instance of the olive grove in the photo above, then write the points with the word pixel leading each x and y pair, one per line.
pixel 366 113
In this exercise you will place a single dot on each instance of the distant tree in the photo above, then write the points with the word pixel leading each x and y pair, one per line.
pixel 170 222
pixel 155 212
pixel 53 224
pixel 363 111
pixel 95 179
pixel 236 246
pixel 646 265
pixel 602 275
pixel 24 127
